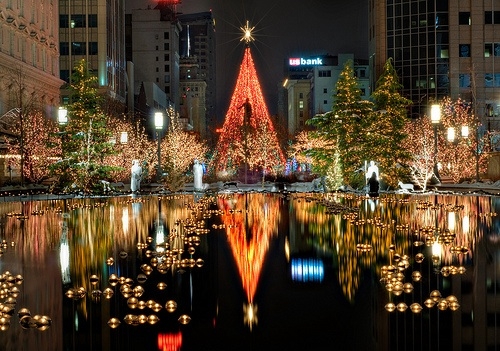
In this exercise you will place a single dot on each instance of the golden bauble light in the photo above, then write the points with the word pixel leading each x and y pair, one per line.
pixel 390 306
pixel 435 295
pixel 114 323
pixel 171 306
pixel 184 319
pixel 416 276
pixel 415 307
pixel 401 307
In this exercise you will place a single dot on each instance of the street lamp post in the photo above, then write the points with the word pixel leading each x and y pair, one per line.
pixel 435 119
pixel 62 119
pixel 158 128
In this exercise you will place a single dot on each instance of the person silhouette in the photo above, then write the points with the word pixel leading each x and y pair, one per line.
pixel 136 176
pixel 372 177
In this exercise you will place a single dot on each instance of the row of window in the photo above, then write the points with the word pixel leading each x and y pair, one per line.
pixel 78 21
pixel 491 80
pixel 490 49
pixel 490 17
pixel 78 48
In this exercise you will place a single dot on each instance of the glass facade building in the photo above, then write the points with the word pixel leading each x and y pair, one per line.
pixel 94 30
pixel 440 48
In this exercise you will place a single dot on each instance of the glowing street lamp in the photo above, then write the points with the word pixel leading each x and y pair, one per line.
pixel 123 137
pixel 62 116
pixel 435 119
pixel 158 128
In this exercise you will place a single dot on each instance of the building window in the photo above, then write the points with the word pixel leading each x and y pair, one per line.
pixel 488 49
pixel 325 102
pixel 301 113
pixel 64 48
pixel 156 58
pixel 488 80
pixel 464 80
pixel 301 95
pixel 363 92
pixel 157 69
pixel 156 47
pixel 64 75
pixel 166 35
pixel 443 51
pixel 325 91
pixel 464 18
pixel 464 50
pixel 362 73
pixel 301 104
pixel 166 46
pixel 166 57
pixel 491 17
pixel 167 68
pixel 324 73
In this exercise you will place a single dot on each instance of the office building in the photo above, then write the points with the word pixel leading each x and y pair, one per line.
pixel 29 57
pixel 94 30
pixel 197 40
pixel 155 54
pixel 440 48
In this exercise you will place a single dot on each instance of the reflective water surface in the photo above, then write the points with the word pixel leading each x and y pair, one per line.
pixel 251 271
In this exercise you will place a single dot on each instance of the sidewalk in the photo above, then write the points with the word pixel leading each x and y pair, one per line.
pixel 40 192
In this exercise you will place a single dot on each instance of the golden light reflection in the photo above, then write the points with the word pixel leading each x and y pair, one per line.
pixel 251 222
pixel 362 233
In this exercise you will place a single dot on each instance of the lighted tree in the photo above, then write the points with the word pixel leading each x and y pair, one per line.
pixel 420 140
pixel 23 103
pixel 130 142
pixel 179 149
pixel 246 120
pixel 346 125
pixel 458 156
pixel 385 130
pixel 40 144
pixel 311 148
pixel 87 139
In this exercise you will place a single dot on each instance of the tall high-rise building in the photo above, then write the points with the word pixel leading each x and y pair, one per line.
pixel 29 56
pixel 197 39
pixel 440 48
pixel 155 52
pixel 94 30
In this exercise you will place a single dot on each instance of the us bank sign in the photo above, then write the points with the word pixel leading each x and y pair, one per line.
pixel 299 61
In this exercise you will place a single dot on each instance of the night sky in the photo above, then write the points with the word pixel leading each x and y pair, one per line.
pixel 283 28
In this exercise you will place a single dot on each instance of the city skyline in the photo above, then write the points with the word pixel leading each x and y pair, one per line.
pixel 282 29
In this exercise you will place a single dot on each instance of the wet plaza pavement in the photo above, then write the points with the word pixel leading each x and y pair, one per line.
pixel 251 270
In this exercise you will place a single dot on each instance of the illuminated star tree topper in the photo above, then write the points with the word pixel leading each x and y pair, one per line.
pixel 247 34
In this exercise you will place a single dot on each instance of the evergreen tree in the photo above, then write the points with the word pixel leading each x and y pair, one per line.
pixel 86 140
pixel 345 125
pixel 385 131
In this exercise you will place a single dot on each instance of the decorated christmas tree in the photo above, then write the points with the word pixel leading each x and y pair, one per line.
pixel 248 140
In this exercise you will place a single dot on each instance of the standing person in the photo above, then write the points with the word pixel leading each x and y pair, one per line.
pixel 136 177
pixel 198 176
pixel 372 177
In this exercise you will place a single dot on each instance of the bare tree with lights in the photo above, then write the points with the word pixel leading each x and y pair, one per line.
pixel 420 140
pixel 458 151
pixel 322 154
pixel 40 144
pixel 179 149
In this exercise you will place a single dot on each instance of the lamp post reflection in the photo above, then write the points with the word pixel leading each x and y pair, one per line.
pixel 436 119
pixel 159 129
